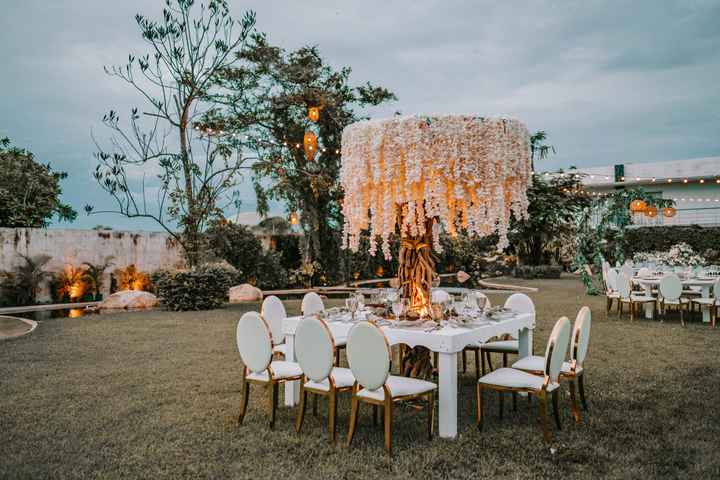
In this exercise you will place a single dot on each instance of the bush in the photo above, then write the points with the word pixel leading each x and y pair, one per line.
pixel 538 271
pixel 202 288
pixel 269 272
pixel 703 240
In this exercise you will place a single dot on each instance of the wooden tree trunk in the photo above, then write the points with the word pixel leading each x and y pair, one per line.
pixel 416 271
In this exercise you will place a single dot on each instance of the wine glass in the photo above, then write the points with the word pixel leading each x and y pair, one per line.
pixel 360 300
pixel 398 307
pixel 352 304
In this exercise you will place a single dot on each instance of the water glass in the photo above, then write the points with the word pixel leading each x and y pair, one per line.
pixel 352 304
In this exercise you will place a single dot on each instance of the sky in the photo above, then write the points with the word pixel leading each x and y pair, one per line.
pixel 610 82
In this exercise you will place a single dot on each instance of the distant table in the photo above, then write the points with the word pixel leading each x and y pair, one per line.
pixel 649 283
pixel 447 342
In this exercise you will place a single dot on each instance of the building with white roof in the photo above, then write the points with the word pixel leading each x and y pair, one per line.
pixel 693 184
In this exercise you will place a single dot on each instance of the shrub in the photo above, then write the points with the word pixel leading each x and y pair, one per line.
pixel 538 271
pixel 130 278
pixel 21 286
pixel 662 238
pixel 202 288
pixel 269 273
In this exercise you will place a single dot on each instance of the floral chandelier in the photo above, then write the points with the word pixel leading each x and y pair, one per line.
pixel 465 171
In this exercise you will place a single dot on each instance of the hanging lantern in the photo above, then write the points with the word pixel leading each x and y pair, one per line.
pixel 669 212
pixel 310 143
pixel 314 114
pixel 294 218
pixel 637 206
pixel 651 211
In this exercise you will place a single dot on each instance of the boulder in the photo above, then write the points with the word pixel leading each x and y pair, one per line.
pixel 245 293
pixel 129 299
pixel 462 277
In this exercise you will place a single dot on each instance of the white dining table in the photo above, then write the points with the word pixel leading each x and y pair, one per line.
pixel 447 342
pixel 652 282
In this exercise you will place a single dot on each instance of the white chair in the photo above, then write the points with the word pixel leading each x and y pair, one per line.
pixel 628 271
pixel 311 304
pixel 517 381
pixel 255 347
pixel 611 292
pixel 712 302
pixel 273 311
pixel 644 272
pixel 517 302
pixel 369 357
pixel 670 295
pixel 315 350
pixel 632 299
pixel 572 370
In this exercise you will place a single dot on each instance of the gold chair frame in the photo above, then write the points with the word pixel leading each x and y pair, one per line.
pixel 272 384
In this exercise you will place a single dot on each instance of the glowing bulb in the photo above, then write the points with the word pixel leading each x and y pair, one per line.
pixel 685 180
pixel 702 180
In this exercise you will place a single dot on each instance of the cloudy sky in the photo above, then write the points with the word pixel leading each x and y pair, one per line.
pixel 610 82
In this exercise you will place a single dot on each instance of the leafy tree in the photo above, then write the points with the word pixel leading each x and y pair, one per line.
pixel 267 96
pixel 29 191
pixel 196 178
pixel 21 285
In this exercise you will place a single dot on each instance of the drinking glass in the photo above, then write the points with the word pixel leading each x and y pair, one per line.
pixel 398 307
pixel 352 304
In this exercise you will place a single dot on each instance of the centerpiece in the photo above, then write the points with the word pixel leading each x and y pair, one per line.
pixel 414 175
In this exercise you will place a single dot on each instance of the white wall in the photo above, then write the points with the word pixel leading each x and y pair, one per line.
pixel 148 251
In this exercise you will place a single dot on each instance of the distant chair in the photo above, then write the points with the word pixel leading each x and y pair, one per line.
pixel 671 295
pixel 254 342
pixel 712 302
pixel 519 303
pixel 315 350
pixel 626 295
pixel 312 304
pixel 369 358
pixel 628 270
pixel 644 272
pixel 273 311
pixel 611 292
pixel 572 370
pixel 517 381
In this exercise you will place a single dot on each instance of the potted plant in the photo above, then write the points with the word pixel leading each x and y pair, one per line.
pixel 93 276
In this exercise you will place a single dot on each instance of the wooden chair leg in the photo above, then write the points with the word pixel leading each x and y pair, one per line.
pixel 464 360
pixel 355 406
pixel 315 402
pixel 273 402
pixel 581 387
pixel 477 365
pixel 431 414
pixel 682 321
pixel 337 357
pixel 543 417
pixel 332 414
pixel 556 408
pixel 244 401
pixel 489 361
pixel 375 415
pixel 482 359
pixel 632 311
pixel 500 402
pixel 301 408
pixel 505 362
pixel 479 413
pixel 388 425
pixel 573 402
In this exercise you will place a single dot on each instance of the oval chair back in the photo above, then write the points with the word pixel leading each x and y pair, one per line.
pixel 580 336
pixel 623 286
pixel 644 272
pixel 368 354
pixel 556 350
pixel 605 269
pixel 612 278
pixel 312 304
pixel 520 303
pixel 439 296
pixel 478 295
pixel 315 348
pixel 273 311
pixel 254 342
pixel 628 271
pixel 716 290
pixel 670 287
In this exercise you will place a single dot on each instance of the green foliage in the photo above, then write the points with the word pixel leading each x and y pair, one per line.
pixel 201 288
pixel 29 191
pixel 93 274
pixel 197 178
pixel 20 286
pixel 703 240
pixel 267 96
pixel 237 245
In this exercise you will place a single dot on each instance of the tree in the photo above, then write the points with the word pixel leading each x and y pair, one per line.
pixel 29 191
pixel 267 96
pixel 196 178
pixel 21 286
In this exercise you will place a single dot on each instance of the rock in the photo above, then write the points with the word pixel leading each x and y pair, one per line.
pixel 462 277
pixel 245 293
pixel 129 299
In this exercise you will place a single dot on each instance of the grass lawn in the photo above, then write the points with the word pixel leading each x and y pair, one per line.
pixel 155 395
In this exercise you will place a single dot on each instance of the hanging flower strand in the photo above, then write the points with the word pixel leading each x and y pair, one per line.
pixel 469 172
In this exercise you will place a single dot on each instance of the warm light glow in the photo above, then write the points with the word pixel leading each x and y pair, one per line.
pixel 314 114
pixel 637 206
pixel 669 212
pixel 651 211
pixel 294 220
pixel 77 290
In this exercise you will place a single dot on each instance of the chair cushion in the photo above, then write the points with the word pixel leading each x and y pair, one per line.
pixel 399 387
pixel 281 369
pixel 642 298
pixel 536 363
pixel 282 348
pixel 512 378
pixel 510 346
pixel 342 377
pixel 679 301
pixel 612 294
pixel 706 301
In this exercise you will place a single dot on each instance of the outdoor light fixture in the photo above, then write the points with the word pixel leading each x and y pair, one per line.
pixel 637 206
pixel 651 211
pixel 314 114
pixel 669 212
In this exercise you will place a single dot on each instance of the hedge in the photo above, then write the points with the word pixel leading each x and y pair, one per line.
pixel 704 240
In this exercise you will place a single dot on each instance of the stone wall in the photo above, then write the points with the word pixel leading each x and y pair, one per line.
pixel 148 251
